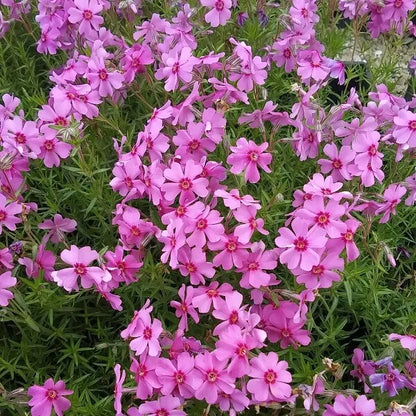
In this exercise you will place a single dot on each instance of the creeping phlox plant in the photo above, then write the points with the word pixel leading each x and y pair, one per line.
pixel 182 184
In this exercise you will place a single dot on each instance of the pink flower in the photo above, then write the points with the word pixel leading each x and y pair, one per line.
pixel 184 182
pixel 193 263
pixel 177 66
pixel 215 377
pixel 145 377
pixel 311 66
pixel 247 156
pixel 338 161
pixel 391 196
pixel 407 341
pixel 79 258
pixel 286 331
pixel 235 402
pixel 232 252
pixel 174 239
pixel 134 60
pixel 179 377
pixel 185 308
pixel 317 214
pixel 166 406
pixel 118 389
pixel 347 406
pixel 146 336
pixel 220 12
pixel 236 345
pixel 300 245
pixel 347 240
pixel 45 260
pixel 404 130
pixel 6 281
pixel 47 396
pixel 122 269
pixel 206 226
pixel 52 150
pixel 249 224
pixel 362 368
pixel 86 13
pixel 270 378
pixel 8 214
pixel 58 226
pixel 206 296
pixel 230 312
pixel 214 123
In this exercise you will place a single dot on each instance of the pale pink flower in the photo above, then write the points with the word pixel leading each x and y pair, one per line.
pixel 6 282
pixel 58 226
pixel 220 12
pixel 407 341
pixel 8 214
pixel 145 377
pixel 86 13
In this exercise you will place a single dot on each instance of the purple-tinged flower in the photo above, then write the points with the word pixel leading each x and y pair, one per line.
pixel 407 341
pixel 220 12
pixel 165 406
pixel 362 368
pixel 86 13
pixel 185 307
pixel 118 388
pixel 145 377
pixel 58 226
pixel 347 406
pixel 391 381
pixel 8 213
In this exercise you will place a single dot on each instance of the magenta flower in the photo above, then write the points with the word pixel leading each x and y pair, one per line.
pixel 185 307
pixel 118 388
pixel 249 224
pixel 230 312
pixel 79 258
pixel 347 240
pixel 194 263
pixel 220 12
pixel 184 182
pixel 146 335
pixel 206 296
pixel 311 66
pixel 166 406
pixel 347 406
pixel 52 150
pixel 391 198
pixel 58 226
pixel 47 396
pixel 122 269
pixel 235 345
pixel 134 61
pixel 173 239
pixel 179 377
pixel 206 226
pixel 8 214
pixel 287 331
pixel 101 79
pixel 86 13
pixel 300 244
pixel 45 260
pixel 214 123
pixel 177 66
pixel 6 281
pixel 362 368
pixel 215 378
pixel 407 341
pixel 338 161
pixel 232 252
pixel 317 214
pixel 270 378
pixel 391 381
pixel 247 156
pixel 22 135
pixel 145 377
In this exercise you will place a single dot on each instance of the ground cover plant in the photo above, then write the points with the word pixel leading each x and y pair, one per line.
pixel 205 210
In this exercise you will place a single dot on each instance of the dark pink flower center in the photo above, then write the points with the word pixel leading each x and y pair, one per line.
pixel 180 377
pixel 219 5
pixel 286 333
pixel 135 230
pixel 270 376
pixel 162 412
pixel 212 293
pixel 322 218
pixel 142 370
pixel 147 333
pixel 184 307
pixel 87 14
pixel 149 143
pixel 128 182
pixel 52 394
pixel 231 246
pixel 242 350
pixel 175 67
pixel 60 121
pixel 348 236
pixel 180 211
pixel 80 268
pixel 253 223
pixel 390 377
pixel 212 376
pixel 185 184
pixel 287 53
pixel 412 125
pixel 3 215
pixel 253 266
pixel 233 317
pixel 191 267
pixel 194 144
pixel 102 73
pixel 20 138
pixel 71 96
pixel 318 270
pixel 304 12
pixel 398 3
pixel 372 150
pixel 336 164
pixel 48 145
pixel 201 224
pixel 253 156
pixel 135 63
pixel 121 266
pixel 301 244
